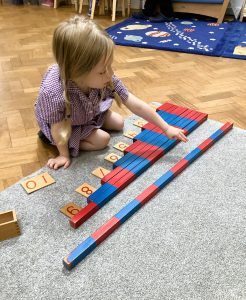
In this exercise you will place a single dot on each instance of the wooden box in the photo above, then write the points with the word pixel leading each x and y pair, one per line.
pixel 9 227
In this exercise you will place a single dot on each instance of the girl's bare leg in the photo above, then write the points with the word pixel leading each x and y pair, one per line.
pixel 113 121
pixel 97 140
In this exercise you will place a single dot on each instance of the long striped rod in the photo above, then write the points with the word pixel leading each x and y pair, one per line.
pixel 88 245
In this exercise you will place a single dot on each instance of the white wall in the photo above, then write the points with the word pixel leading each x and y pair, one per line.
pixel 235 7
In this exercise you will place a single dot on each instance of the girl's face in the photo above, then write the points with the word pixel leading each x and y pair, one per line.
pixel 99 76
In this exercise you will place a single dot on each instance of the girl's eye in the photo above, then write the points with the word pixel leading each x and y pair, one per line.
pixel 102 73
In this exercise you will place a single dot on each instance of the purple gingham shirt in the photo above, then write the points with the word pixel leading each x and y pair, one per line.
pixel 87 111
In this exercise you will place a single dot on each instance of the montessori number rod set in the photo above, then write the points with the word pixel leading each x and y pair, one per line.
pixel 148 147
pixel 88 245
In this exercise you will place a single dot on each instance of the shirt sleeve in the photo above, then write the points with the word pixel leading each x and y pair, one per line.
pixel 120 88
pixel 50 107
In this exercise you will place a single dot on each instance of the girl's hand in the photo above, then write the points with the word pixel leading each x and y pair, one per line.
pixel 59 161
pixel 173 132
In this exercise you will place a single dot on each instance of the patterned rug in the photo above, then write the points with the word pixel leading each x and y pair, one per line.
pixel 187 243
pixel 192 36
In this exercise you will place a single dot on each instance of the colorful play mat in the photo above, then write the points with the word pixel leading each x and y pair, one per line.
pixel 226 39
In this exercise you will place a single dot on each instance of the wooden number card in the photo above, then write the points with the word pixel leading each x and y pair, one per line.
pixel 70 209
pixel 112 157
pixel 37 182
pixel 140 122
pixel 100 172
pixel 85 189
pixel 130 134
pixel 121 146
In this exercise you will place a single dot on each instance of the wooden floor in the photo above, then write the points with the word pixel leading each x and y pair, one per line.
pixel 210 84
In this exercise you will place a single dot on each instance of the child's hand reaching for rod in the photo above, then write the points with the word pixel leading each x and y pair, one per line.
pixel 173 132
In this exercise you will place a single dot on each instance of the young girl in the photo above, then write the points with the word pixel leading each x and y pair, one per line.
pixel 76 93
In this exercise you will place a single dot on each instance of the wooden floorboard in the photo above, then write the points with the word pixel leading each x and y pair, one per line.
pixel 210 84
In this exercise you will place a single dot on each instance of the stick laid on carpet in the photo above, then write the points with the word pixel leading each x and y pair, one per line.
pixel 88 245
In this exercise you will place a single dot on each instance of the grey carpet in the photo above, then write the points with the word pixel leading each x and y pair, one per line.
pixel 188 242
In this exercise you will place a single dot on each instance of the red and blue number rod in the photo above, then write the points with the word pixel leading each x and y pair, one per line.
pixel 88 245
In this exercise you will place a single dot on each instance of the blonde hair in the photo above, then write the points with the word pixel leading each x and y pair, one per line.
pixel 78 46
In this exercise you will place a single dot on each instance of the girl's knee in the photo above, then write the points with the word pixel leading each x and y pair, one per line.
pixel 104 140
pixel 120 124
pixel 97 140
pixel 113 121
pixel 101 140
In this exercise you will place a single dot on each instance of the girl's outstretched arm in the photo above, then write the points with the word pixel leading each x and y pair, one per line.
pixel 144 111
pixel 63 159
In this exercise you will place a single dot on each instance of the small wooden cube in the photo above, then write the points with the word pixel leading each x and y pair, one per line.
pixel 9 227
